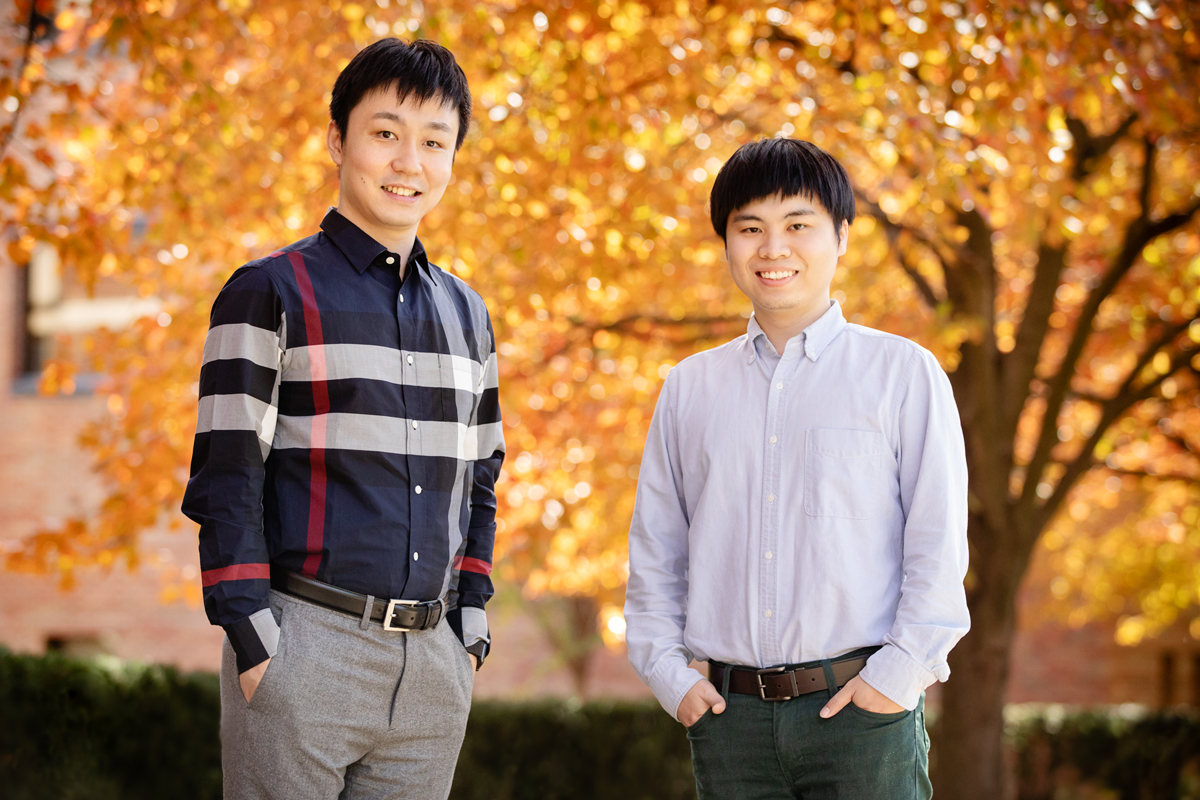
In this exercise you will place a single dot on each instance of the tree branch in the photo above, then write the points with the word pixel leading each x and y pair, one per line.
pixel 633 319
pixel 1166 476
pixel 1018 367
pixel 1139 233
pixel 893 230
pixel 26 54
pixel 1112 410
pixel 1090 149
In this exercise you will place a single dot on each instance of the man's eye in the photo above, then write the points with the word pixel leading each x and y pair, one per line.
pixel 387 134
pixel 433 143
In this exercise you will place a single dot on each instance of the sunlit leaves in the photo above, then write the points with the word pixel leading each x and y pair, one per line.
pixel 579 212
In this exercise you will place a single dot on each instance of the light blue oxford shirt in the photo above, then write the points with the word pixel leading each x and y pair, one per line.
pixel 794 508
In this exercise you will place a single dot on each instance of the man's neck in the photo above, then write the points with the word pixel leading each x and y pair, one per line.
pixel 401 243
pixel 782 325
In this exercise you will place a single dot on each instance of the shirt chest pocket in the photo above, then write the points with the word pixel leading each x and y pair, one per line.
pixel 843 473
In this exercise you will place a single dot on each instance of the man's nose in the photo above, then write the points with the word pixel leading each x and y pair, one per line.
pixel 406 158
pixel 774 247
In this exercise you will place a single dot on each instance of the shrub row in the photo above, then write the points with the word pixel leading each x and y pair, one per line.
pixel 100 730
pixel 1132 755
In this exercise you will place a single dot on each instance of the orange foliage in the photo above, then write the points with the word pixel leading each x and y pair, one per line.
pixel 978 135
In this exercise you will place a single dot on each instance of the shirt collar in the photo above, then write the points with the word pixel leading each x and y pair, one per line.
pixel 361 250
pixel 816 337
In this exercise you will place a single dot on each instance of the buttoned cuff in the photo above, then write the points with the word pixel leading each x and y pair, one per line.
pixel 670 681
pixel 899 677
pixel 254 639
pixel 471 625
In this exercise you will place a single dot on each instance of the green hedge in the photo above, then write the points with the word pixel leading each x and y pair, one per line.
pixel 76 729
pixel 99 730
pixel 1132 755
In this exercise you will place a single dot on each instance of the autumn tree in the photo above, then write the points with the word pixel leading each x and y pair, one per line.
pixel 1027 178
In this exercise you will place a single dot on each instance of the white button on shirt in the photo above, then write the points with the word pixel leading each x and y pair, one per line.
pixel 852 533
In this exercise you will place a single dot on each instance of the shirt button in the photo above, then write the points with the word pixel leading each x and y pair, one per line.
pixel 391 260
pixel 415 555
pixel 410 359
pixel 770 498
pixel 774 439
pixel 414 424
pixel 417 490
pixel 779 386
pixel 768 555
pixel 401 298
pixel 767 613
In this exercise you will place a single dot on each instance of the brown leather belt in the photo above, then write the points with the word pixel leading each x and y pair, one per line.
pixel 785 682
pixel 396 615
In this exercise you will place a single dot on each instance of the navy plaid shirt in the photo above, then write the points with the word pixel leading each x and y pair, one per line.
pixel 349 430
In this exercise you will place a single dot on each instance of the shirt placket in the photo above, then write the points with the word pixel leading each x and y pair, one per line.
pixel 772 503
pixel 409 377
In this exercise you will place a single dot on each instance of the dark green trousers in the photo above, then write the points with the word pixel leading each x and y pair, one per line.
pixel 758 750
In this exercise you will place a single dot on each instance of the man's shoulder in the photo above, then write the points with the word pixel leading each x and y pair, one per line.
pixel 890 342
pixel 455 284
pixel 909 357
pixel 278 263
pixel 706 361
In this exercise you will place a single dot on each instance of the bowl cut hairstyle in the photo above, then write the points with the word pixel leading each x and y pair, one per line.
pixel 786 167
pixel 422 69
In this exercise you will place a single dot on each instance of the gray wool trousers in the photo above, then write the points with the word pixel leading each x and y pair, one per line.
pixel 346 711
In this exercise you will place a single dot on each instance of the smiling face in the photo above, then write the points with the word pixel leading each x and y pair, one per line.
pixel 394 163
pixel 782 254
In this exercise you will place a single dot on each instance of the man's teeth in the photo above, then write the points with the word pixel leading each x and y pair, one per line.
pixel 401 192
pixel 777 275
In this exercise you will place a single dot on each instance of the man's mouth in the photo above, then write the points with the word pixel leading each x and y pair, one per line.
pixel 400 190
pixel 776 274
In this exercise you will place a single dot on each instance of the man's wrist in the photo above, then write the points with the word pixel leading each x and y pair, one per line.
pixel 479 649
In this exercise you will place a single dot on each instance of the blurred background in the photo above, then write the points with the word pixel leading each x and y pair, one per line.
pixel 1028 185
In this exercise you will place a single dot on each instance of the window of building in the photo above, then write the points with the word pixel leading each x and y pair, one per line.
pixel 58 310
pixel 1166 680
pixel 76 645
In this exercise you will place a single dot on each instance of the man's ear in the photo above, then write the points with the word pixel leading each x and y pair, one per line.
pixel 843 238
pixel 333 143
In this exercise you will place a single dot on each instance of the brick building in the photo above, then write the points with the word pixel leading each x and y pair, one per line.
pixel 45 476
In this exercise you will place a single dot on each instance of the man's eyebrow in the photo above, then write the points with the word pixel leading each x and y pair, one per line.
pixel 797 212
pixel 391 117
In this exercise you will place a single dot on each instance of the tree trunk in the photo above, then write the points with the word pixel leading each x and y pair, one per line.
pixel 581 616
pixel 971 762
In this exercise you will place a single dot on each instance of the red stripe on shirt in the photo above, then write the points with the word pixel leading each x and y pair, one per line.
pixel 236 572
pixel 472 565
pixel 320 390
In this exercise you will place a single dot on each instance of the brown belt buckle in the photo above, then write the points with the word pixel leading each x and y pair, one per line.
pixel 762 688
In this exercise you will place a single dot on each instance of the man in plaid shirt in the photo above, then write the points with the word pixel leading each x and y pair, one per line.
pixel 346 454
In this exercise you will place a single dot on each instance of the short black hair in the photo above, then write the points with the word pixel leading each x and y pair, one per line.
pixel 422 68
pixel 787 167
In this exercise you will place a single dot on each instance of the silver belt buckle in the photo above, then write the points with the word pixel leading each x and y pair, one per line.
pixel 762 688
pixel 391 612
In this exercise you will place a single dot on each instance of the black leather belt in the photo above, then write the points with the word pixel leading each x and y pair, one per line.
pixel 786 682
pixel 396 615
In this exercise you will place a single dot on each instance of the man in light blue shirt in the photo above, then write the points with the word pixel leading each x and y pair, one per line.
pixel 801 517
